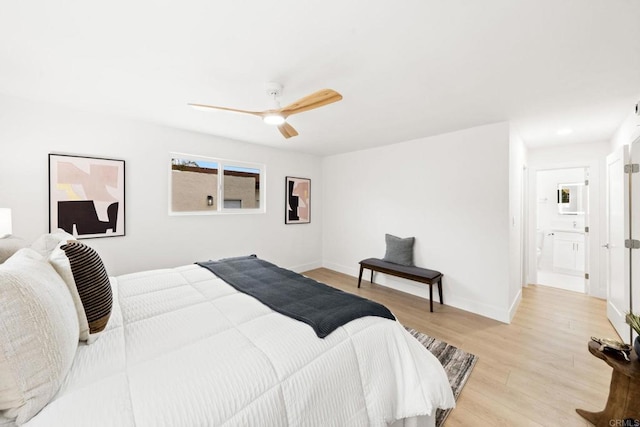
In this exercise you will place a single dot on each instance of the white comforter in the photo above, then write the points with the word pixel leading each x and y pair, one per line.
pixel 183 348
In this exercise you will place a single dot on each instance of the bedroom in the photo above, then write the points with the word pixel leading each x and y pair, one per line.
pixel 433 94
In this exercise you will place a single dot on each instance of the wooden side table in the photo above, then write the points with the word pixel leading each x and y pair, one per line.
pixel 624 392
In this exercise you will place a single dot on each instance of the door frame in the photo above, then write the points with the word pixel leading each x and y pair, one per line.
pixel 524 238
pixel 616 314
pixel 595 285
pixel 634 230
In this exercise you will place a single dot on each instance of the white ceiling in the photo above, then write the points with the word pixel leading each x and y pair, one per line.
pixel 407 69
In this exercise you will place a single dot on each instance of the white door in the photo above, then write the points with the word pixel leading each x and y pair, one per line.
pixel 635 229
pixel 617 228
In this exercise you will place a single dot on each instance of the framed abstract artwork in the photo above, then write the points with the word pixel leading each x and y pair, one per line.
pixel 297 200
pixel 86 196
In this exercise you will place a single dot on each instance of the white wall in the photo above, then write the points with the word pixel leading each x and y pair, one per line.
pixel 628 131
pixel 449 191
pixel 574 156
pixel 29 132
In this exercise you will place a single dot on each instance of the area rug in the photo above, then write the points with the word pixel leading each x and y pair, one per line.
pixel 457 363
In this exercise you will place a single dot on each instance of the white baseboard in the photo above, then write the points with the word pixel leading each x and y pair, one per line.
pixel 487 310
pixel 306 267
pixel 515 305
pixel 422 291
pixel 350 271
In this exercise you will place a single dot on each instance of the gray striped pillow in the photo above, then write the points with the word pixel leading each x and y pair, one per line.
pixel 92 286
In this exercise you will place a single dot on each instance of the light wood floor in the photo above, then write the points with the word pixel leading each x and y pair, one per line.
pixel 533 372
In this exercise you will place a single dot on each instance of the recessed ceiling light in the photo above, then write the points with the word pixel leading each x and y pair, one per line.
pixel 565 131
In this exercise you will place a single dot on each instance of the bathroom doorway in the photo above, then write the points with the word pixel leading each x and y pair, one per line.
pixel 562 211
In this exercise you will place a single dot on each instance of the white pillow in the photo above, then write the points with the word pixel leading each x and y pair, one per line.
pixel 9 246
pixel 38 334
pixel 46 243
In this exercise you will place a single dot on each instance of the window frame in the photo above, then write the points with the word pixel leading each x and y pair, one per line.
pixel 219 191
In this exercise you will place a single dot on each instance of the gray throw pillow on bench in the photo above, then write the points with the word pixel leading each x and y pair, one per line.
pixel 399 251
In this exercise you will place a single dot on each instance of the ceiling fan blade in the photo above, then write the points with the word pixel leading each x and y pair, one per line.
pixel 287 130
pixel 213 107
pixel 309 102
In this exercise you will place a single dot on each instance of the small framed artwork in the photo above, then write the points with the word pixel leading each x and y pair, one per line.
pixel 297 200
pixel 86 196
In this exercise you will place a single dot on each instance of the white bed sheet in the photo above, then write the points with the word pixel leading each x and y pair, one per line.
pixel 183 348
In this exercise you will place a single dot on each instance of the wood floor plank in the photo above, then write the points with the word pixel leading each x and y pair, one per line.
pixel 533 372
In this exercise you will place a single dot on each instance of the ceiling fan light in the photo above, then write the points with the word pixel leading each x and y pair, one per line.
pixel 273 119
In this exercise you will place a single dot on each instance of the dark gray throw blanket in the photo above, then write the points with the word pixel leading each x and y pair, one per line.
pixel 322 307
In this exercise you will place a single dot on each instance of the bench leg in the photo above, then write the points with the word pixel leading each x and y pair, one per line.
pixel 440 290
pixel 430 297
pixel 360 276
pixel 371 277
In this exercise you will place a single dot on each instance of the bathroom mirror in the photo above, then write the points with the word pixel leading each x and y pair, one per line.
pixel 570 198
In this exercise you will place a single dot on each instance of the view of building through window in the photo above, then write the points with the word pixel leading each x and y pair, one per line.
pixel 197 186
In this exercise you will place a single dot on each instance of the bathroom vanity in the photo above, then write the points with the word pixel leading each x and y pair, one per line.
pixel 568 252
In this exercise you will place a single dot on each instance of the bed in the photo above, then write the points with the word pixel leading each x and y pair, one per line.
pixel 184 348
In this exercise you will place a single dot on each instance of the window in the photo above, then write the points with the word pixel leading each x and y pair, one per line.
pixel 199 184
pixel 241 187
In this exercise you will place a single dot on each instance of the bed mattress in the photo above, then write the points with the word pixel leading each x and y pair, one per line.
pixel 183 348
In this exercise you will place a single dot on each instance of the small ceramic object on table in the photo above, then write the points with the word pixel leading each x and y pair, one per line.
pixel 614 346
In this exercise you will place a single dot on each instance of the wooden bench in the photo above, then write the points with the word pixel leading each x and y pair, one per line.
pixel 422 275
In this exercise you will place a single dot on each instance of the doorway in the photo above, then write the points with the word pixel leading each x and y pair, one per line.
pixel 562 208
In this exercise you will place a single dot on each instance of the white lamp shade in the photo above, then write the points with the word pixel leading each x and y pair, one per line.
pixel 5 222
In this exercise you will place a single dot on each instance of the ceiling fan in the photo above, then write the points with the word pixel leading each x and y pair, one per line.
pixel 276 115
